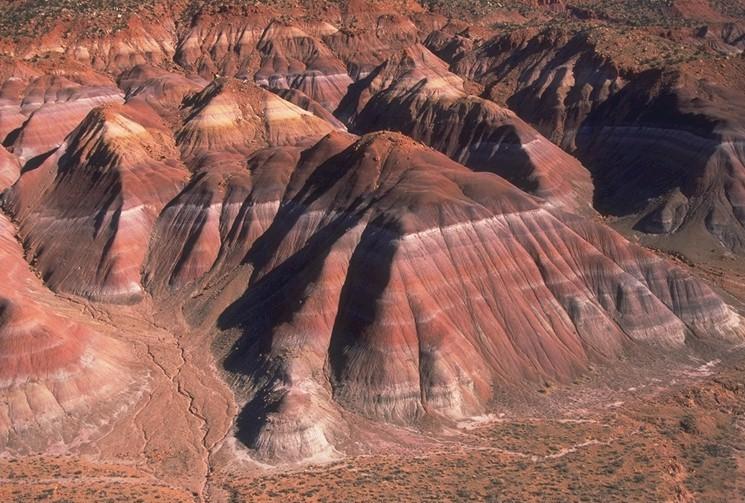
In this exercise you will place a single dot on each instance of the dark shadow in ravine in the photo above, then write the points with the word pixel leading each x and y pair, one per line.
pixel 641 144
pixel 464 130
pixel 266 305
pixel 275 294
pixel 37 161
pixel 367 278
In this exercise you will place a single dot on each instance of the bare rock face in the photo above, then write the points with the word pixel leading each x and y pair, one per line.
pixel 212 223
pixel 320 57
pixel 370 39
pixel 50 121
pixel 416 94
pixel 728 38
pixel 87 211
pixel 269 52
pixel 126 41
pixel 114 174
pixel 242 143
pixel 60 380
pixel 222 45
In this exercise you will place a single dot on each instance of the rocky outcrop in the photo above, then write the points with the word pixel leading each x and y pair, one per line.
pixel 214 45
pixel 292 59
pixel 242 143
pixel 663 146
pixel 370 38
pixel 268 51
pixel 209 227
pixel 727 38
pixel 161 90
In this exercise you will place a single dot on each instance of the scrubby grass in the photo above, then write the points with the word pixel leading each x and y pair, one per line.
pixel 476 8
pixel 32 18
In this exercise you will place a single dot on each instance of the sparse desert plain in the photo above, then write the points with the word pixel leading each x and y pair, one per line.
pixel 372 250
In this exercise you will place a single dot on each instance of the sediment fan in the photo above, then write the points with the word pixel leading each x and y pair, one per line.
pixel 294 226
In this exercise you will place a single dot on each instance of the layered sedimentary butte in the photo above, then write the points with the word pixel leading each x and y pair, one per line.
pixel 552 79
pixel 227 178
pixel 60 379
pixel 414 290
pixel 692 137
pixel 664 146
pixel 42 111
pixel 118 175
pixel 415 93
